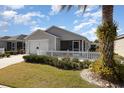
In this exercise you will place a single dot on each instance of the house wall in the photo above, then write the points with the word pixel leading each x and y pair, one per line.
pixel 3 44
pixel 39 35
pixel 119 46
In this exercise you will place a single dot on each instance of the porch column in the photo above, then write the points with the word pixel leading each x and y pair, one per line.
pixel 82 45
pixel 72 45
pixel 23 46
pixel 15 45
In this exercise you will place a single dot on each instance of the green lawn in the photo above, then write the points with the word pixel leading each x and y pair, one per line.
pixel 37 75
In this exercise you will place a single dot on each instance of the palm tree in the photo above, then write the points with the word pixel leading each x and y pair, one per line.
pixel 106 43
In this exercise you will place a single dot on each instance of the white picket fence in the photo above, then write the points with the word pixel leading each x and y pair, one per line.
pixel 2 50
pixel 73 54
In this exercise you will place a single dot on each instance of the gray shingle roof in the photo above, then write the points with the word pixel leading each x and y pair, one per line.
pixel 18 37
pixel 5 37
pixel 64 34
pixel 120 36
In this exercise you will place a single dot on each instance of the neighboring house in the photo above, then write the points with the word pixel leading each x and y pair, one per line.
pixel 56 38
pixel 119 45
pixel 94 47
pixel 13 43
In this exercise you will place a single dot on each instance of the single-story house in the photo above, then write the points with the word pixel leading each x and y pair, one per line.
pixel 55 38
pixel 13 43
pixel 119 45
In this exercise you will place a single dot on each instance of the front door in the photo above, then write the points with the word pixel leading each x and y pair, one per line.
pixel 76 45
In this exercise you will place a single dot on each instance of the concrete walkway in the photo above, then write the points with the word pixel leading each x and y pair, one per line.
pixel 4 62
pixel 1 86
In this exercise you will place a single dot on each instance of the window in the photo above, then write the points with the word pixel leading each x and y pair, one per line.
pixel 12 44
pixel 76 44
pixel 84 46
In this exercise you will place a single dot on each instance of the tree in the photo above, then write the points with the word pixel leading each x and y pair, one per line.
pixel 106 33
pixel 106 43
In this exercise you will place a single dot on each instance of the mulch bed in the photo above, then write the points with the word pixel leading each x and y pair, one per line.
pixel 93 78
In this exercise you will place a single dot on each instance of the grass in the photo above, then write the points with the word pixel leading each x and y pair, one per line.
pixel 29 75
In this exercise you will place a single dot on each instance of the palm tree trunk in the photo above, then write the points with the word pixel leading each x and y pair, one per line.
pixel 106 43
pixel 107 13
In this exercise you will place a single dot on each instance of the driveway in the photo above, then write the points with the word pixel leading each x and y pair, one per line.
pixel 4 62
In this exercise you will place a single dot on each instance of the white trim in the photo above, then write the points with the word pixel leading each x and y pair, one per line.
pixel 73 54
pixel 82 45
pixel 55 43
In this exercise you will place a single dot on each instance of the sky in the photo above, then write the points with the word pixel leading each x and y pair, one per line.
pixel 25 19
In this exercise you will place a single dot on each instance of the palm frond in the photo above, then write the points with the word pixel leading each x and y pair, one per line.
pixel 82 7
pixel 68 7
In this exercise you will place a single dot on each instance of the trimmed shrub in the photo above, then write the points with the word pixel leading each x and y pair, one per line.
pixel 76 66
pixel 11 52
pixel 85 64
pixel 65 63
pixel 2 55
pixel 75 60
pixel 7 55
pixel 67 59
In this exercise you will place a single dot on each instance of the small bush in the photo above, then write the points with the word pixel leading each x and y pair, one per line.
pixel 7 55
pixel 75 60
pixel 67 59
pixel 76 66
pixel 2 55
pixel 11 52
pixel 85 64
pixel 104 71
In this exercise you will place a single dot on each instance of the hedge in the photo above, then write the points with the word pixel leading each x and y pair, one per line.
pixel 64 63
pixel 4 55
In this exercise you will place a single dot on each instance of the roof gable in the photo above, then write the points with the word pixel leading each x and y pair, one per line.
pixel 37 34
pixel 64 34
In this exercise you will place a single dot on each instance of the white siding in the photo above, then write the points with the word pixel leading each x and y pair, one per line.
pixel 40 35
pixel 119 46
pixel 3 44
pixel 33 46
